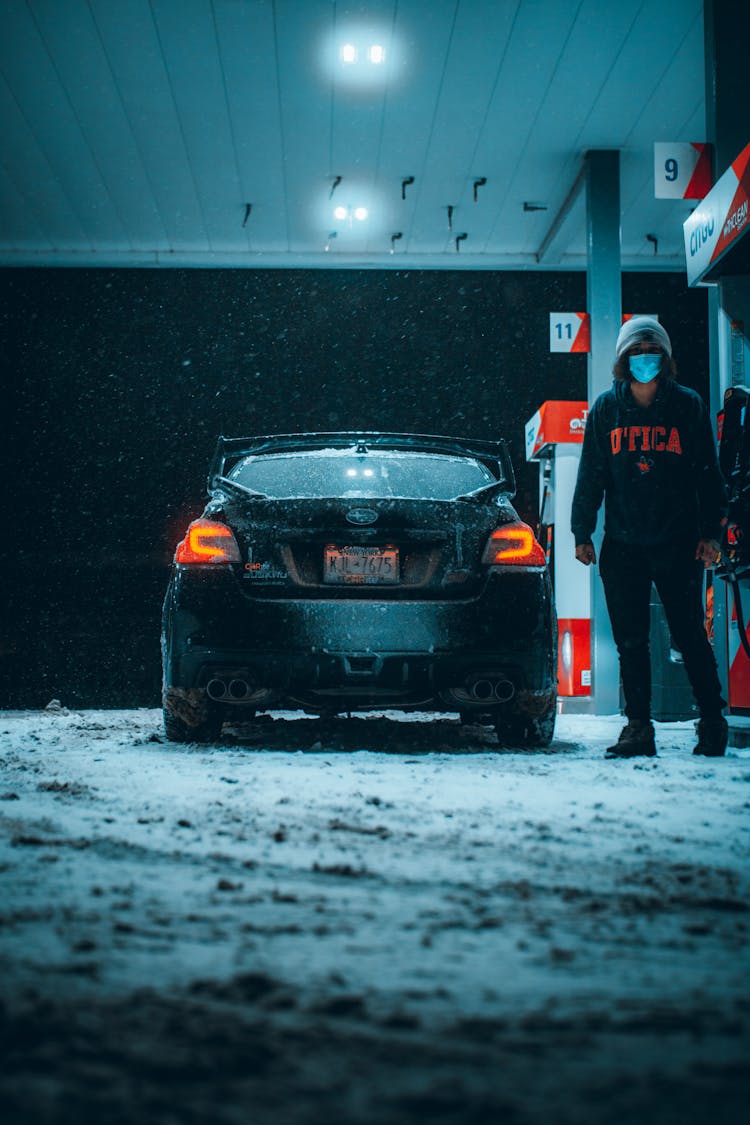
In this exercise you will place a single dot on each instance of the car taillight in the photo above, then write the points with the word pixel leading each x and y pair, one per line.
pixel 207 542
pixel 514 544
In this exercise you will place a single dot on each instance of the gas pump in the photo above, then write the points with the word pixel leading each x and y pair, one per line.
pixel 717 252
pixel 734 567
pixel 554 437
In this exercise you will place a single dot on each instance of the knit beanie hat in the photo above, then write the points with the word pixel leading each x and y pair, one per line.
pixel 639 329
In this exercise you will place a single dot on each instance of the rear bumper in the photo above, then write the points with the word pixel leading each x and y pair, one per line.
pixel 369 652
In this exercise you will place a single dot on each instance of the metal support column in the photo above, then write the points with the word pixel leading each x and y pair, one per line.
pixel 604 304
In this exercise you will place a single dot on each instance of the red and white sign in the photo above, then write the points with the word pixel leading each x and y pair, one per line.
pixel 569 332
pixel 555 423
pixel 682 170
pixel 722 218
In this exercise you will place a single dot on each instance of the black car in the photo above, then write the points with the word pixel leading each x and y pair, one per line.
pixel 342 572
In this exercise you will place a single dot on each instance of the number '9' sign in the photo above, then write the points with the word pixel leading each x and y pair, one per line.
pixel 681 171
pixel 671 169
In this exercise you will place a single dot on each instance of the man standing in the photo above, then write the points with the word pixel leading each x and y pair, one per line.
pixel 648 450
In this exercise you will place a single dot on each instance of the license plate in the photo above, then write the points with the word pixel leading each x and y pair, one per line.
pixel 361 566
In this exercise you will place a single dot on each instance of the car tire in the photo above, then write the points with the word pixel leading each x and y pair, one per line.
pixel 526 730
pixel 177 730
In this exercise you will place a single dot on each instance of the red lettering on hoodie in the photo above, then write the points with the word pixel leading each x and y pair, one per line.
pixel 646 438
pixel 673 445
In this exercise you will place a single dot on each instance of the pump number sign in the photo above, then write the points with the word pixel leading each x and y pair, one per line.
pixel 682 170
pixel 569 332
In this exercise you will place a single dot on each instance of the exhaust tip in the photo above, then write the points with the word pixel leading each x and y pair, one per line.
pixel 216 689
pixel 482 690
pixel 488 688
pixel 504 690
pixel 239 689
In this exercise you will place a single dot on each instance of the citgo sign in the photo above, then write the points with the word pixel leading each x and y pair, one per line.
pixel 719 220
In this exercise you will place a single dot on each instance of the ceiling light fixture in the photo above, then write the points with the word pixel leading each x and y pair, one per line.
pixel 394 238
pixel 349 53
pixel 346 214
pixel 363 54
pixel 459 240
pixel 405 184
pixel 479 182
pixel 331 236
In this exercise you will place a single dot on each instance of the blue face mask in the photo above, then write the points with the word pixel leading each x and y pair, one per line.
pixel 645 367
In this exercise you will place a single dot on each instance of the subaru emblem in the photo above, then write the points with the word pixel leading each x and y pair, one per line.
pixel 361 516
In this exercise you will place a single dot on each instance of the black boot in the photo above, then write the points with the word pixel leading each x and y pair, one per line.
pixel 636 741
pixel 712 737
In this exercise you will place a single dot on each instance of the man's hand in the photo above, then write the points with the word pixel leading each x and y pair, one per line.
pixel 586 553
pixel 709 551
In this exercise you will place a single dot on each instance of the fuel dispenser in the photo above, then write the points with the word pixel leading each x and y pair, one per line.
pixel 734 565
pixel 553 438
pixel 717 252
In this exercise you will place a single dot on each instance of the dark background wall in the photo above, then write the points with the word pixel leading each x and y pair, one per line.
pixel 117 383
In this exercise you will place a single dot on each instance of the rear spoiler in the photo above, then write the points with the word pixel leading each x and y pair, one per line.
pixel 493 454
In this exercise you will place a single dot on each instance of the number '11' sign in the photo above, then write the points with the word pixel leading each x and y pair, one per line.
pixel 571 331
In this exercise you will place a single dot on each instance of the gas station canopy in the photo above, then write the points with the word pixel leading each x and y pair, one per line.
pixel 397 133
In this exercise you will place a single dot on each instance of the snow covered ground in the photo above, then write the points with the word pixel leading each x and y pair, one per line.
pixel 380 919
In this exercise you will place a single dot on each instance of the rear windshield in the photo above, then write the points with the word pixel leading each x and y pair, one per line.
pixel 343 472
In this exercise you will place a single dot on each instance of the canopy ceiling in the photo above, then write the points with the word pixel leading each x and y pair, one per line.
pixel 214 132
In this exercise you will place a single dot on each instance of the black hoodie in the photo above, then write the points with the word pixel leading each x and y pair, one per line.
pixel 656 466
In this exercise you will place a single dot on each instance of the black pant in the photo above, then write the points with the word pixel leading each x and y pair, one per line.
pixel 627 573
